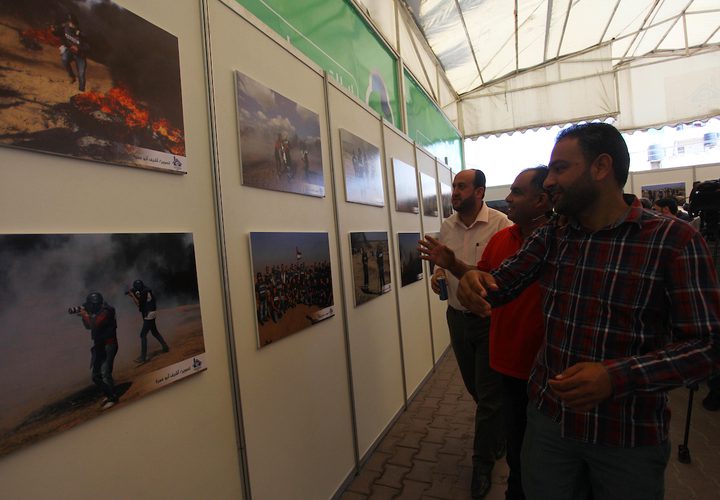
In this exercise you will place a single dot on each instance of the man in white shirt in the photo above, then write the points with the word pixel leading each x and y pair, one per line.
pixel 466 233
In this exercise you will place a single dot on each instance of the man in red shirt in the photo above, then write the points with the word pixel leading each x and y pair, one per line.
pixel 516 329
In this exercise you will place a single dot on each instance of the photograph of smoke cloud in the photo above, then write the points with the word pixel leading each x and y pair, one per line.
pixel 406 192
pixel 363 170
pixel 45 377
pixel 280 146
pixel 89 79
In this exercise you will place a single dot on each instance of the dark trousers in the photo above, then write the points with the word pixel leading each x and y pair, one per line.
pixel 515 402
pixel 469 336
pixel 149 326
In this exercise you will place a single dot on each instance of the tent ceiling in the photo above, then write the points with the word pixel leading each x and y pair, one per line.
pixel 481 42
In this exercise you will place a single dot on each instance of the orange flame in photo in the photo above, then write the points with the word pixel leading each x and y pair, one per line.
pixel 119 103
pixel 45 36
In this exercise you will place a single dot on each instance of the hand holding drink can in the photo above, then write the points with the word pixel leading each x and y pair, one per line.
pixel 442 283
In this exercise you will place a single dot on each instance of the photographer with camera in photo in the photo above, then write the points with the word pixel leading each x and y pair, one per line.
pixel 99 317
pixel 144 299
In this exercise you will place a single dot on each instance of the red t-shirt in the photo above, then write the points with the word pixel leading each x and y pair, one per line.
pixel 516 329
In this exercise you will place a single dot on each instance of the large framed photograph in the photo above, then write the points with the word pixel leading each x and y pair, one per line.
pixel 446 200
pixel 126 306
pixel 280 146
pixel 406 193
pixel 675 190
pixel 362 170
pixel 90 80
pixel 429 195
pixel 370 265
pixel 410 261
pixel 292 283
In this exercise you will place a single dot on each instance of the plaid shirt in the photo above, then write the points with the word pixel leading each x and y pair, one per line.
pixel 640 296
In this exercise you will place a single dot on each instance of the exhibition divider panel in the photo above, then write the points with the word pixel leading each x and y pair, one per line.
pixel 405 222
pixel 363 208
pixel 283 264
pixel 93 219
pixel 431 221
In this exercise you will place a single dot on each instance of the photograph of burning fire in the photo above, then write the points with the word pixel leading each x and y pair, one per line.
pixel 89 79
pixel 280 146
pixel 292 283
pixel 68 299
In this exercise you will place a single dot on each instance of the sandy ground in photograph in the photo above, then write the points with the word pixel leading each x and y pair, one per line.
pixel 294 320
pixel 32 81
pixel 184 335
pixel 264 174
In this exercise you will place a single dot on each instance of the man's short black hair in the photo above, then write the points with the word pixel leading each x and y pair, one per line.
pixel 670 203
pixel 537 181
pixel 598 138
pixel 479 181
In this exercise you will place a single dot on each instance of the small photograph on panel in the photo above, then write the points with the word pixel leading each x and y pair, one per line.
pixel 406 193
pixel 280 146
pixel 500 205
pixel 675 190
pixel 363 170
pixel 410 262
pixel 292 281
pixel 90 322
pixel 429 195
pixel 90 80
pixel 370 265
pixel 446 200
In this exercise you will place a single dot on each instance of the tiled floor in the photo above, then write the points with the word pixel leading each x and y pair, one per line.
pixel 427 453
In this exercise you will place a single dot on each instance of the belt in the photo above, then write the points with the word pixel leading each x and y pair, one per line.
pixel 465 312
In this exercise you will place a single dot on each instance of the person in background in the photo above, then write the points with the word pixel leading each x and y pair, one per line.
pixel 144 299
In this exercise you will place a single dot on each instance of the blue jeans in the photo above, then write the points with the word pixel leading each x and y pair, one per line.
pixel 560 468
pixel 67 58
pixel 102 360
pixel 470 337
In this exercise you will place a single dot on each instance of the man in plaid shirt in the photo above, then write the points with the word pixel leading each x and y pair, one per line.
pixel 632 310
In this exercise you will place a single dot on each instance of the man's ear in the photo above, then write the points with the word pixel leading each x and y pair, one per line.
pixel 602 167
pixel 480 192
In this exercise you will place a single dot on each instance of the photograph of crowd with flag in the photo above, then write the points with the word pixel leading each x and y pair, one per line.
pixel 90 80
pixel 292 283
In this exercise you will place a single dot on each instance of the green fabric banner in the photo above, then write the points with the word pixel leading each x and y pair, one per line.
pixel 336 37
pixel 429 127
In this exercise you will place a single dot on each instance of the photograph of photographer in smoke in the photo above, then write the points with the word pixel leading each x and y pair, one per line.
pixel 70 302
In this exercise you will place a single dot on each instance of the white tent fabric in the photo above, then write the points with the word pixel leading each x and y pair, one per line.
pixel 499 65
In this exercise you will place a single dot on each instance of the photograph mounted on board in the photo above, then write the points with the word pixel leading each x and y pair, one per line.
pixel 446 200
pixel 406 193
pixel 410 262
pixel 370 265
pixel 675 190
pixel 280 146
pixel 292 283
pixel 90 322
pixel 362 169
pixel 90 80
pixel 429 195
